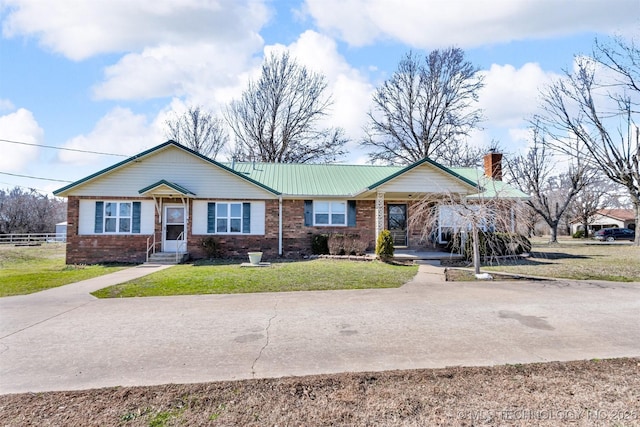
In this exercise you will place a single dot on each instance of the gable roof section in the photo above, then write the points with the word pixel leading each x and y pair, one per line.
pixel 426 160
pixel 164 184
pixel 64 190
pixel 619 214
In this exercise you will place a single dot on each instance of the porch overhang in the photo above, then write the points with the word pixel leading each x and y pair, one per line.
pixel 165 189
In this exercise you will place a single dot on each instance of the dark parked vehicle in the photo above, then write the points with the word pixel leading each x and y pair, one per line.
pixel 612 234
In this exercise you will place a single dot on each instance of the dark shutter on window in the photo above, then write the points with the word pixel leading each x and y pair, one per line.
pixel 99 222
pixel 308 213
pixel 211 217
pixel 351 213
pixel 246 217
pixel 135 217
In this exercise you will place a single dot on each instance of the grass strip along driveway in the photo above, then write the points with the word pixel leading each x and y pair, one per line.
pixel 29 269
pixel 319 274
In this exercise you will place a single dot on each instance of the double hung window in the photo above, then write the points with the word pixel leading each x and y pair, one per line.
pixel 228 217
pixel 117 217
pixel 329 213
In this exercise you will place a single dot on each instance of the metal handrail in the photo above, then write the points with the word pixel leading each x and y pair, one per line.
pixel 180 245
pixel 151 247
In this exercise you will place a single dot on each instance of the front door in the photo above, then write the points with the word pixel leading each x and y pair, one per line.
pixel 173 229
pixel 397 223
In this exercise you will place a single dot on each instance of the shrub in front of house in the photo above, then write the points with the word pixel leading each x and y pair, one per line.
pixel 211 247
pixel 346 244
pixel 384 245
pixel 355 245
pixel 320 244
pixel 578 234
pixel 336 244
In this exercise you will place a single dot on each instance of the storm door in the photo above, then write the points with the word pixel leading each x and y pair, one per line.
pixel 174 235
pixel 397 223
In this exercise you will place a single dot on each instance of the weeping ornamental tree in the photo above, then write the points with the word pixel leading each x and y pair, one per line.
pixel 482 225
pixel 277 118
pixel 426 109
pixel 597 105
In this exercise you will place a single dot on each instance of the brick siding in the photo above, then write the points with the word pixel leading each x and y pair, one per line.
pixel 296 239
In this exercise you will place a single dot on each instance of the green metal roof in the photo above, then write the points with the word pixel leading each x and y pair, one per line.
pixel 315 179
pixel 339 180
pixel 490 187
pixel 350 180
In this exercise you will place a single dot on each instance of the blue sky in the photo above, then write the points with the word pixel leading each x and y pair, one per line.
pixel 104 75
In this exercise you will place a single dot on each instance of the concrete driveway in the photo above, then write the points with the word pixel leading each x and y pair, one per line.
pixel 64 339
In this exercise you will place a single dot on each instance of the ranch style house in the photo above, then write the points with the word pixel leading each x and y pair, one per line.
pixel 169 198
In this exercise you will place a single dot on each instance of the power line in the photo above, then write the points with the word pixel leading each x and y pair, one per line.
pixel 34 177
pixel 24 186
pixel 62 148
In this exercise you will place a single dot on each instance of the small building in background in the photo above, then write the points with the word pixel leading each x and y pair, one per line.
pixel 61 232
pixel 607 218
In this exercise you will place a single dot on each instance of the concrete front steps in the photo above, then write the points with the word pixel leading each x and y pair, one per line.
pixel 168 258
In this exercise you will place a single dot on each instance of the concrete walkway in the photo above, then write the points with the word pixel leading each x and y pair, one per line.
pixel 65 339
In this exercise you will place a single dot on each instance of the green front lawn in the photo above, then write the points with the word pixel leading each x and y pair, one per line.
pixel 319 274
pixel 577 259
pixel 28 269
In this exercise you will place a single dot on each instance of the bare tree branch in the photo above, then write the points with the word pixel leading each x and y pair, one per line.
pixel 199 130
pixel 276 119
pixel 29 211
pixel 424 109
pixel 593 105
pixel 550 194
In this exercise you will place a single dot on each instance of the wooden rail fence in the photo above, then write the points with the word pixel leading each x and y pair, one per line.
pixel 32 238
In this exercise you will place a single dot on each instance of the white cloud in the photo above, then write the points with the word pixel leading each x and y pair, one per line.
pixel 79 29
pixel 6 105
pixel 511 95
pixel 351 91
pixel 168 70
pixel 19 126
pixel 467 23
pixel 120 131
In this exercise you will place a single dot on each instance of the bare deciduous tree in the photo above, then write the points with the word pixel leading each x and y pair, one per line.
pixel 29 211
pixel 277 117
pixel 597 104
pixel 600 193
pixel 199 130
pixel 425 109
pixel 550 194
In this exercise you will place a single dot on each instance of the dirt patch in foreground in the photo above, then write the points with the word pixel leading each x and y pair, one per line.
pixel 582 393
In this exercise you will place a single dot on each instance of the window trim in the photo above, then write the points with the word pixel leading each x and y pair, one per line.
pixel 330 213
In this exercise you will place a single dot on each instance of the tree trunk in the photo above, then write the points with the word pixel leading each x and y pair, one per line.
pixel 476 250
pixel 554 233
pixel 636 206
pixel 585 225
